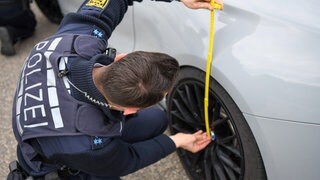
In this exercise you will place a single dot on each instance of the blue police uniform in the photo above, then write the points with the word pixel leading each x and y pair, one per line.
pixel 62 121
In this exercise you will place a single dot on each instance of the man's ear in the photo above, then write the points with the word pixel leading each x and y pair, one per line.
pixel 119 56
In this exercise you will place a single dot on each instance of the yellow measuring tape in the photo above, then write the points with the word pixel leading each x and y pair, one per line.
pixel 208 67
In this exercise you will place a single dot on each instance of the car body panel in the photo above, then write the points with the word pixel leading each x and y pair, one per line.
pixel 289 149
pixel 255 55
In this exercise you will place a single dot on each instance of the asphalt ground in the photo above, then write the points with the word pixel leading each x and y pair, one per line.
pixel 168 168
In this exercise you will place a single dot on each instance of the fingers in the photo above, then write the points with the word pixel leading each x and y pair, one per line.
pixel 200 135
pixel 198 132
pixel 201 141
pixel 192 142
pixel 204 5
pixel 219 1
pixel 197 4
pixel 198 145
pixel 119 56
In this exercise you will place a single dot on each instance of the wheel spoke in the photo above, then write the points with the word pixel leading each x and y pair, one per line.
pixel 193 103
pixel 219 171
pixel 216 111
pixel 177 114
pixel 226 139
pixel 227 161
pixel 229 172
pixel 184 99
pixel 232 149
pixel 196 158
pixel 181 120
pixel 188 104
pixel 207 163
pixel 218 122
pixel 180 128
pixel 185 115
pixel 199 98
pixel 207 170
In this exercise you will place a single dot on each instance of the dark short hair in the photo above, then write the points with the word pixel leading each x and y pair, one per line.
pixel 140 79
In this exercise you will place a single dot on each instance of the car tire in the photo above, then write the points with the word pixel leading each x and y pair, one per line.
pixel 234 153
pixel 51 9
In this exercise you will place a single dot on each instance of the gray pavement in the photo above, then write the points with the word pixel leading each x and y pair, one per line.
pixel 168 168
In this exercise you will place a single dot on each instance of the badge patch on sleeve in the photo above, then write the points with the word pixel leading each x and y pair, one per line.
pixel 98 3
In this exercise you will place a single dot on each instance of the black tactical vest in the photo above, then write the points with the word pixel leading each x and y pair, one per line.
pixel 42 105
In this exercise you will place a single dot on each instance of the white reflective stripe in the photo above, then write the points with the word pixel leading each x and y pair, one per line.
pixel 51 79
pixel 62 66
pixel 21 86
pixel 54 44
pixel 66 83
pixel 47 55
pixel 52 90
pixel 53 97
pixel 19 125
pixel 66 59
pixel 22 80
pixel 57 119
pixel 55 111
pixel 18 105
pixel 36 125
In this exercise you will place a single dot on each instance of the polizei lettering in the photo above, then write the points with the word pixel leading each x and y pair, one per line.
pixel 36 97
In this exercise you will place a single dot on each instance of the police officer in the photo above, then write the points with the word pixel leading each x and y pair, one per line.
pixel 80 113
pixel 17 22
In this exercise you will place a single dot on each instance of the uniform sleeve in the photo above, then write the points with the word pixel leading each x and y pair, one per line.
pixel 104 16
pixel 118 158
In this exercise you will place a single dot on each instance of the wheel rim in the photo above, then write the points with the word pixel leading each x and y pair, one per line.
pixel 223 157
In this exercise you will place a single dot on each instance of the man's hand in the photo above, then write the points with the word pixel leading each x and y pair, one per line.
pixel 191 142
pixel 119 56
pixel 200 4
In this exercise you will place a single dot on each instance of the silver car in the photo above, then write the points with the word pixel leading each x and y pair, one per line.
pixel 264 89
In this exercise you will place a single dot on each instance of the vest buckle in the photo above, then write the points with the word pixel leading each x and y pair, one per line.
pixel 62 73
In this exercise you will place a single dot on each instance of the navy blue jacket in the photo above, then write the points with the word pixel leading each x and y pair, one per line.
pixel 98 156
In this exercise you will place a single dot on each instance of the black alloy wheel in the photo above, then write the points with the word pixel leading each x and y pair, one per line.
pixel 51 9
pixel 233 152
